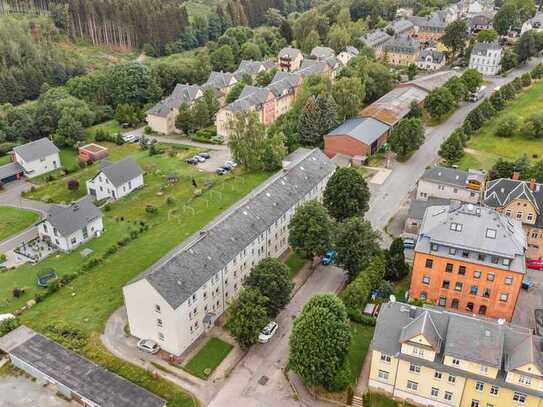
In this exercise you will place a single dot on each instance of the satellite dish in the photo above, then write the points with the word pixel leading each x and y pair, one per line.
pixel 392 298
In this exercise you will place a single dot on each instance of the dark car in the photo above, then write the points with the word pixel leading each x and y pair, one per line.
pixel 204 155
pixel 192 161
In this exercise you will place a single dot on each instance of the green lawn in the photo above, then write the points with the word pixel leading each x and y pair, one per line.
pixel 5 159
pixel 208 358
pixel 295 262
pixel 378 400
pixel 487 147
pixel 362 335
pixel 14 220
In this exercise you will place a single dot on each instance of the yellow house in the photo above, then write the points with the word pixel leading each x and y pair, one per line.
pixel 434 357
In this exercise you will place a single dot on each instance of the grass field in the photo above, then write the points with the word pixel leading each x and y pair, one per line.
pixel 208 358
pixel 14 220
pixel 378 400
pixel 362 335
pixel 295 262
pixel 5 159
pixel 484 148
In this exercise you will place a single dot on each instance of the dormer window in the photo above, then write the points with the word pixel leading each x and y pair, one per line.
pixel 457 227
pixel 491 233
pixel 456 362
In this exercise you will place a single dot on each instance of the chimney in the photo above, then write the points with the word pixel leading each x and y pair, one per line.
pixel 531 184
pixel 515 176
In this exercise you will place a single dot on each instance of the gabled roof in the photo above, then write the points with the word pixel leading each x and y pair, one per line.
pixel 436 56
pixel 434 22
pixel 289 52
pixel 502 191
pixel 69 219
pixel 9 170
pixel 432 81
pixel 375 38
pixel 120 172
pixel 193 262
pixel 219 80
pixel 402 44
pixel 425 326
pixel 250 96
pixel 251 68
pixel 36 149
pixel 283 82
pixel 312 66
pixel 322 52
pixel 400 26
pixel 364 129
pixel 482 48
pixel 451 176
pixel 181 94
pixel 526 352
pixel 417 207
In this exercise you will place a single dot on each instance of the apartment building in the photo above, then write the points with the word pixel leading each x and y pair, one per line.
pixel 439 358
pixel 450 183
pixel 430 28
pixel 289 59
pixel 522 201
pixel 469 259
pixel 376 40
pixel 486 57
pixel 401 50
pixel 178 298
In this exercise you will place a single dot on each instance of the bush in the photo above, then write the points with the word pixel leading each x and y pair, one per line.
pixel 91 263
pixel 8 325
pixel 507 126
pixel 107 207
pixel 356 315
pixel 112 250
pixel 82 164
pixel 73 184
pixel 151 209
pixel 3 258
pixel 17 292
pixel 147 130
pixel 67 335
pixel 526 80
pixel 5 148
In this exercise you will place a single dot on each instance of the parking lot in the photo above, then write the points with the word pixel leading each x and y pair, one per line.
pixel 217 159
pixel 529 300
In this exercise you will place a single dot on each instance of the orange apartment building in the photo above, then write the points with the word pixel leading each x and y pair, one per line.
pixel 469 259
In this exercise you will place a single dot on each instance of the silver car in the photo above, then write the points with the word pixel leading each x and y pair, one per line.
pixel 149 346
pixel 268 331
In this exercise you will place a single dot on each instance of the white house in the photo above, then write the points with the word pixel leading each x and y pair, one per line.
pixel 37 157
pixel 115 180
pixel 431 59
pixel 178 298
pixel 486 58
pixel 347 54
pixel 68 226
pixel 450 183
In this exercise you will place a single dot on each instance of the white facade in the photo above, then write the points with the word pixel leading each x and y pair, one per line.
pixel 101 187
pixel 65 243
pixel 487 62
pixel 38 166
pixel 426 189
pixel 150 316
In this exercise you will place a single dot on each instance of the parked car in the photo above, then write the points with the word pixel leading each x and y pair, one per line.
pixel 149 346
pixel 328 258
pixel 268 331
pixel 204 155
pixel 409 243
pixel 527 284
pixel 221 171
pixel 536 264
pixel 131 138
pixel 192 161
pixel 230 163
pixel 198 158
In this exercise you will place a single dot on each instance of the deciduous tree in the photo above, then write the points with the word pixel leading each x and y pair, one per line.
pixel 407 136
pixel 310 230
pixel 248 315
pixel 346 194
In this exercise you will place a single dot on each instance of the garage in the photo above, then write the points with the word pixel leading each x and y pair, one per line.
pixel 10 172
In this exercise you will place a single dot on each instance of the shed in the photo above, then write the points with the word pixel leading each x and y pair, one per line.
pixel 92 152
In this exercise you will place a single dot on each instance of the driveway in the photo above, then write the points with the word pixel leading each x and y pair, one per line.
pixel 386 199
pixel 259 381
pixel 529 300
pixel 18 391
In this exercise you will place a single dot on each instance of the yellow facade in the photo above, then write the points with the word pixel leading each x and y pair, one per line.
pixel 494 396
pixel 471 367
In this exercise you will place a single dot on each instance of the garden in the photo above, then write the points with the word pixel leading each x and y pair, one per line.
pixel 207 359
pixel 14 220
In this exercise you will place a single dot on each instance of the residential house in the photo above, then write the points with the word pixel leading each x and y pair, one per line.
pixel 347 54
pixel 115 180
pixel 535 23
pixel 358 136
pixel 470 259
pixel 161 117
pixel 486 57
pixel 221 83
pixel 522 201
pixel 328 67
pixel 450 183
pixel 66 227
pixel 178 298
pixel 434 357
pixel 37 157
pixel 284 86
pixel 252 68
pixel 416 211
pixel 469 8
pixel 322 53
pixel 289 59
pixel 401 50
pixel 401 27
pixel 252 98
pixel 376 40
pixel 72 376
pixel 431 59
pixel 429 28
pixel 480 22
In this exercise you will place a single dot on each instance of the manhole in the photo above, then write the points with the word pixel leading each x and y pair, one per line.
pixel 263 380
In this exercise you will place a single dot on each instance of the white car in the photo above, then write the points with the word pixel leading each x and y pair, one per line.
pixel 198 158
pixel 130 138
pixel 230 163
pixel 149 346
pixel 268 331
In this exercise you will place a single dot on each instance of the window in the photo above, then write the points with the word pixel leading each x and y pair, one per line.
pixel 426 279
pixel 519 215
pixel 465 253
pixel 519 398
pixel 423 295
pixel 74 240
pixel 85 233
pixel 429 263
pixel 491 233
pixel 448 396
pixel 161 336
pixel 457 227
pixel 157 308
pixel 159 322
pixel 449 268
pixel 508 212
pixel 476 274
pixel 504 297
pixel 490 276
pixel 438 375
pixel 442 301
pixel 383 375
pixel 414 368
pixel 445 284
pixel 530 217
pixel 479 386
pixel 473 290
pixel 452 379
pixel 434 247
pixel 508 280
pixel 385 358
pixel 412 385
pixel 418 351
pixel 456 362
pixel 452 250
pixel 486 293
pixel 506 262
pixel 494 390
pixel 494 259
pixel 524 380
pixel 482 311
pixel 458 286
pixel 474 403
pixel 481 257
pixel 462 270
pixel 483 369
pixel 435 392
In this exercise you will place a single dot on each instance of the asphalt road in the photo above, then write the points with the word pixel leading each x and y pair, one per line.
pixel 259 381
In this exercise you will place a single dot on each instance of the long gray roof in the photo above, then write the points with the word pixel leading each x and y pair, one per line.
pixel 402 44
pixel 364 129
pixel 36 149
pixel 323 52
pixel 451 176
pixel 509 241
pixel 251 68
pixel 250 96
pixel 193 262
pixel 435 22
pixel 481 48
pixel 464 337
pixel 69 219
pixel 375 38
pixel 401 26
pixel 82 376
pixel 120 172
pixel 181 94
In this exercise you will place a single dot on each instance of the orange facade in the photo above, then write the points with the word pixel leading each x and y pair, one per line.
pixel 465 287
